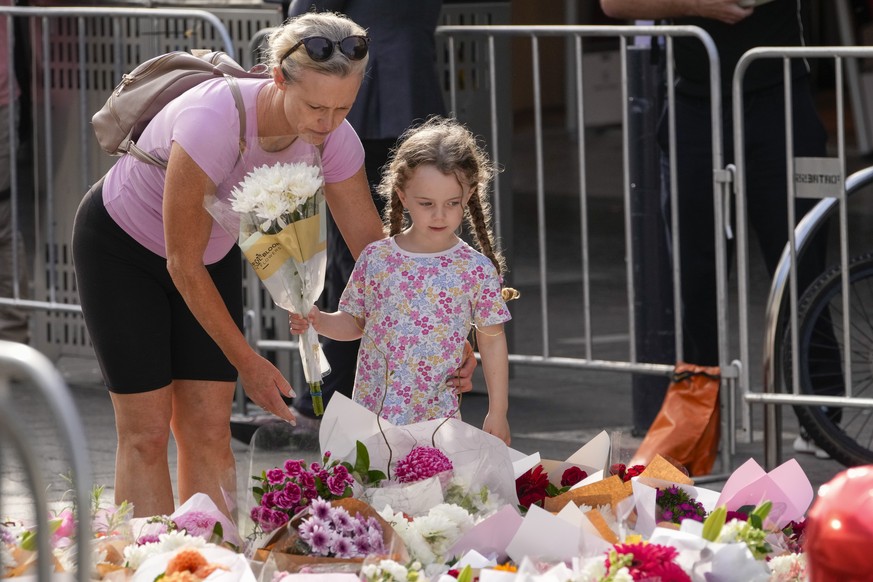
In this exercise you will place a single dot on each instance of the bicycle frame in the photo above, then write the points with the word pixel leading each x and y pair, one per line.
pixel 775 325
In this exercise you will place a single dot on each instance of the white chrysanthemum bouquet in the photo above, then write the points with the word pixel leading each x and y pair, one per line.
pixel 280 210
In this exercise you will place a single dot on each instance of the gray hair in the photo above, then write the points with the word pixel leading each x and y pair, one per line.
pixel 330 25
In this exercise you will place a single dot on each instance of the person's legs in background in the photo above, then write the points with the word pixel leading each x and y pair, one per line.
pixel 768 216
pixel 696 228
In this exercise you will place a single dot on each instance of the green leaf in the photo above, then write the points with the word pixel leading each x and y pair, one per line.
pixel 362 460
pixel 466 575
pixel 552 491
pixel 28 541
pixel 217 534
pixel 763 510
pixel 756 521
pixel 375 475
pixel 713 523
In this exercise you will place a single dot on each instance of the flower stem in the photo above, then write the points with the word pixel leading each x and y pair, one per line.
pixel 317 401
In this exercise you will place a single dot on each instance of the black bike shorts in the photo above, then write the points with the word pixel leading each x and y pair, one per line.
pixel 142 331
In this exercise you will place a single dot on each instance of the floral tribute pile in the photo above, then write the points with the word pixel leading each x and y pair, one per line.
pixel 428 511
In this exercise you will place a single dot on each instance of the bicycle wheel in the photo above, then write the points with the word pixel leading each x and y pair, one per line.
pixel 845 433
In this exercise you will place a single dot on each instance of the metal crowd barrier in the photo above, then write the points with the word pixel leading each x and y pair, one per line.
pixel 22 363
pixel 784 287
pixel 77 56
pixel 474 64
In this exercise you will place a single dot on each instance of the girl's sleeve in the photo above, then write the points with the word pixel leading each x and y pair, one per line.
pixel 489 308
pixel 354 295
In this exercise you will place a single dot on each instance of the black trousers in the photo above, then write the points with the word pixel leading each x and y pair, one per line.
pixel 766 197
pixel 766 202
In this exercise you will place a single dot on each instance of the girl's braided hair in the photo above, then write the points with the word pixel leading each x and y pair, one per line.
pixel 451 148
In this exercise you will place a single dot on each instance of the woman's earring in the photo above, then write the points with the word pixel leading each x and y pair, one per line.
pixel 459 231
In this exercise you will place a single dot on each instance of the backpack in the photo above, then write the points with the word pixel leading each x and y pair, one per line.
pixel 144 91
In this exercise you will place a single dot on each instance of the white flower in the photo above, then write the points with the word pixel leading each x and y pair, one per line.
pixel 274 193
pixel 732 531
pixel 390 571
pixel 134 555
pixel 623 575
pixel 788 568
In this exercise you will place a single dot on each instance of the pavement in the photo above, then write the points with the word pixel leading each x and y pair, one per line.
pixel 553 410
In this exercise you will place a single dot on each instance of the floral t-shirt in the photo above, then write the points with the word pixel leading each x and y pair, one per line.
pixel 418 309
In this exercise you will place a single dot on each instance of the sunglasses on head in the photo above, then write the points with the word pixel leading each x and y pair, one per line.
pixel 320 48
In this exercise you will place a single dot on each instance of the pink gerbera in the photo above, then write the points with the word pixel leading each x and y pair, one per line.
pixel 651 562
pixel 421 463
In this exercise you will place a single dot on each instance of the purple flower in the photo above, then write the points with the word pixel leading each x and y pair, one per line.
pixel 374 538
pixel 319 539
pixel 362 546
pixel 341 547
pixel 342 521
pixel 321 509
pixel 305 528
pixel 293 467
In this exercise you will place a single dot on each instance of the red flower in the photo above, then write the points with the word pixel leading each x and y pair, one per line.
pixel 572 476
pixel 626 473
pixel 634 471
pixel 531 487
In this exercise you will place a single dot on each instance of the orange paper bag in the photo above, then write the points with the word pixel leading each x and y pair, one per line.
pixel 687 427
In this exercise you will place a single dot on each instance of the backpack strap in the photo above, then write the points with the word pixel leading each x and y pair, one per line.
pixel 148 158
pixel 241 108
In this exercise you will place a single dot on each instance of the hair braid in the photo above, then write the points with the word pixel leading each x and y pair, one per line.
pixel 478 223
pixel 394 215
pixel 478 217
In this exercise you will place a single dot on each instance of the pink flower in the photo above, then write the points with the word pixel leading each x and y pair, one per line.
pixel 66 527
pixel 651 562
pixel 197 523
pixel 275 476
pixel 421 463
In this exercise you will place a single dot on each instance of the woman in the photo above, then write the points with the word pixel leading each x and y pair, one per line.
pixel 159 282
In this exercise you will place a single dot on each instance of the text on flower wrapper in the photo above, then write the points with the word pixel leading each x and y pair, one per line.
pixel 267 253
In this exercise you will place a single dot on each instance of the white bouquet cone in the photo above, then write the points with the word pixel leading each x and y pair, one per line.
pixel 278 213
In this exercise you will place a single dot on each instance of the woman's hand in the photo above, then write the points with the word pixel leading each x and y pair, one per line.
pixel 462 380
pixel 187 227
pixel 265 386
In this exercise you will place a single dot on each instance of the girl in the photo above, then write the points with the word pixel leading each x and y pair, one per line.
pixel 414 296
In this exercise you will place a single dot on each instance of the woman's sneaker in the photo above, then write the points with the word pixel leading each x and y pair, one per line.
pixel 804 444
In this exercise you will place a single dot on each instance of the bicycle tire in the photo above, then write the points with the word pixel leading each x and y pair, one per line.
pixel 849 438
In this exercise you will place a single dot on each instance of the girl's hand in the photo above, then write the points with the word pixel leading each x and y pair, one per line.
pixel 498 425
pixel 300 324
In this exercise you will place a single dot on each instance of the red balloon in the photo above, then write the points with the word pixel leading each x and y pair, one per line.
pixel 839 529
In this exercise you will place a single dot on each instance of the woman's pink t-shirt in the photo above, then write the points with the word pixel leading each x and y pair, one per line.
pixel 205 122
